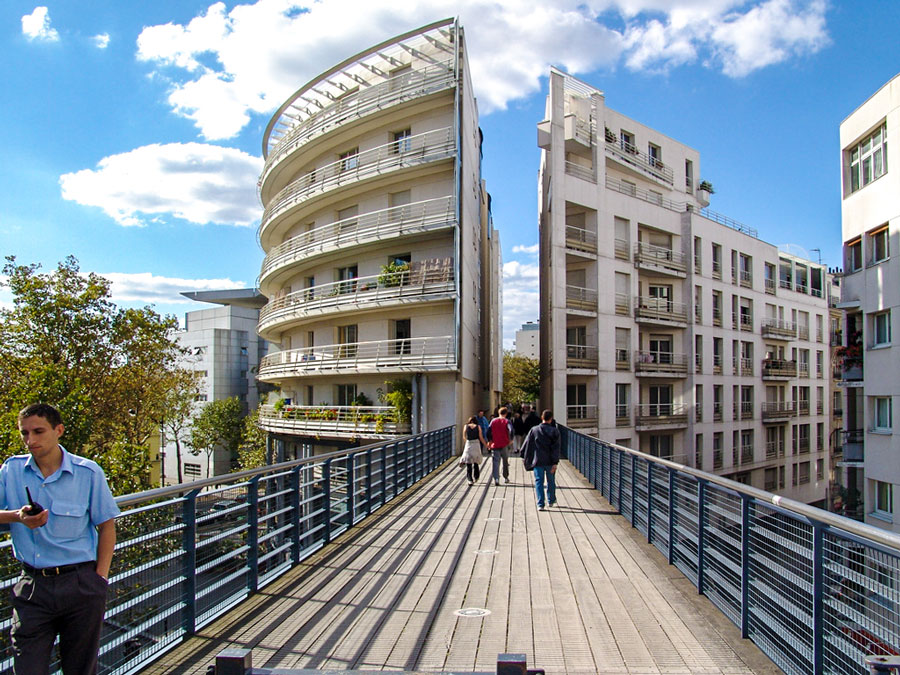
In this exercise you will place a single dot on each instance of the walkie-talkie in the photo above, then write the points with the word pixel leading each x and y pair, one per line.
pixel 33 507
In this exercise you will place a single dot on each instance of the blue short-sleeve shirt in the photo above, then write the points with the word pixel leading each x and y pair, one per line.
pixel 78 499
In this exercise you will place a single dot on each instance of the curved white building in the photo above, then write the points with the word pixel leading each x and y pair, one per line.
pixel 381 264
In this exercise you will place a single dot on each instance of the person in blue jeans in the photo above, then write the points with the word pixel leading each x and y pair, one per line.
pixel 540 452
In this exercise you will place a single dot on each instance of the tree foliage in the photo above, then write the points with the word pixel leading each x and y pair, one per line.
pixel 521 379
pixel 107 369
pixel 252 449
pixel 218 425
pixel 179 406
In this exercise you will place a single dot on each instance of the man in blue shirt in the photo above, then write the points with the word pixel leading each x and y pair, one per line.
pixel 65 549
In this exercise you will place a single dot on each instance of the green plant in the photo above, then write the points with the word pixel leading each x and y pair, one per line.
pixel 362 400
pixel 398 393
pixel 392 274
pixel 279 405
pixel 706 185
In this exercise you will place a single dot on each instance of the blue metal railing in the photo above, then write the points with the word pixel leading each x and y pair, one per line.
pixel 816 592
pixel 188 553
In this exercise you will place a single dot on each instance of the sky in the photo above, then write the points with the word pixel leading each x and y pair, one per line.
pixel 131 132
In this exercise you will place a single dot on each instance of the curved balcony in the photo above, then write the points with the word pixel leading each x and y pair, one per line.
pixel 375 98
pixel 328 421
pixel 424 282
pixel 405 355
pixel 431 146
pixel 376 226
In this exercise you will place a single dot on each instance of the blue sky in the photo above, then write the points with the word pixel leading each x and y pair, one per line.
pixel 131 132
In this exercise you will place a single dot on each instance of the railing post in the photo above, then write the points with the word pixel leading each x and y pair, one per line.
pixel 620 455
pixel 295 510
pixel 351 488
pixel 649 502
pixel 745 566
pixel 253 534
pixel 384 483
pixel 633 490
pixel 189 569
pixel 326 498
pixel 701 534
pixel 368 482
pixel 818 599
pixel 671 555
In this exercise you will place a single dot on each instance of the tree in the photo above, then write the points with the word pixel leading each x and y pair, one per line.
pixel 179 410
pixel 521 379
pixel 252 449
pixel 106 369
pixel 217 425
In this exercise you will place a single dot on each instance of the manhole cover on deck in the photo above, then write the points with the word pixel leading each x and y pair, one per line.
pixel 472 612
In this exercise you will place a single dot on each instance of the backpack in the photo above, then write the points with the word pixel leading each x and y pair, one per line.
pixel 500 432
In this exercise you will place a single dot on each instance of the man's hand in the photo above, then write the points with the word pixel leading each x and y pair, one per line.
pixel 33 522
pixel 553 468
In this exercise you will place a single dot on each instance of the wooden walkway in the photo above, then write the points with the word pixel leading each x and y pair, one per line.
pixel 574 587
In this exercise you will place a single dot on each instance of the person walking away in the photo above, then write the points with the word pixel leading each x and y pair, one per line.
pixel 471 454
pixel 61 516
pixel 532 419
pixel 540 454
pixel 485 426
pixel 499 429
pixel 519 431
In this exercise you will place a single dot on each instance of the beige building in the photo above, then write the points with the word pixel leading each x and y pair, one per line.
pixel 666 326
pixel 870 222
pixel 382 263
pixel 528 342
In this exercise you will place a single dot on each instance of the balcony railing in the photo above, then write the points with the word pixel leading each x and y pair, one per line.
pixel 776 410
pixel 630 155
pixel 661 414
pixel 630 189
pixel 746 279
pixel 422 283
pixel 623 415
pixel 375 226
pixel 622 304
pixel 717 411
pixel 582 356
pixel 774 449
pixel 801 446
pixel 403 355
pixel 664 259
pixel 746 410
pixel 778 368
pixel 584 299
pixel 413 151
pixel 746 367
pixel 717 364
pixel 375 98
pixel 660 363
pixel 812 589
pixel 778 329
pixel 660 309
pixel 716 269
pixel 369 422
pixel 623 359
pixel 770 286
pixel 581 171
pixel 579 239
pixel 854 445
pixel 581 416
pixel 621 249
pixel 746 454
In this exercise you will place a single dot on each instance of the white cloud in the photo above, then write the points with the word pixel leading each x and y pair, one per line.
pixel 36 26
pixel 145 287
pixel 199 183
pixel 101 40
pixel 228 65
pixel 530 250
pixel 521 298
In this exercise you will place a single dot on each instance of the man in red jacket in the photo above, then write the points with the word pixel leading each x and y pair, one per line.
pixel 500 445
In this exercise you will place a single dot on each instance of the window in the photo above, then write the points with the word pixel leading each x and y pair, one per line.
pixel 688 176
pixel 200 397
pixel 883 413
pixel 660 400
pixel 347 276
pixel 717 450
pixel 878 245
pixel 717 402
pixel 698 259
pixel 698 452
pixel 820 469
pixel 803 478
pixel 576 401
pixel 716 261
pixel 770 278
pixel 622 399
pixel 661 445
pixel 868 159
pixel 770 481
pixel 698 402
pixel 628 142
pixel 655 153
pixel 350 159
pixel 346 394
pixel 746 270
pixel 402 334
pixel 853 254
pixel 347 338
pixel 401 141
pixel 717 308
pixel 884 499
pixel 191 469
pixel 881 325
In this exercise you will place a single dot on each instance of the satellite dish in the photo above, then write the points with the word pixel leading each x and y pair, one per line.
pixel 795 250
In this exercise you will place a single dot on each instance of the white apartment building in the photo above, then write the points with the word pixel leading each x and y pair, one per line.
pixel 667 327
pixel 382 264
pixel 870 222
pixel 528 340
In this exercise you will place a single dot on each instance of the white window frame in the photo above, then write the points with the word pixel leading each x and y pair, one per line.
pixel 882 414
pixel 867 160
pixel 881 329
pixel 879 239
pixel 883 499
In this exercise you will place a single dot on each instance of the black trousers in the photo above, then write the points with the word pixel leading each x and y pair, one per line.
pixel 70 605
pixel 473 471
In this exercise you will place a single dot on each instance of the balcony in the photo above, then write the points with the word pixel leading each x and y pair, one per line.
pixel 746 367
pixel 581 299
pixel 770 286
pixel 621 249
pixel 374 99
pixel 717 317
pixel 649 196
pixel 638 161
pixel 854 444
pixel 778 329
pixel 623 359
pixel 432 146
pixel 717 411
pixel 655 415
pixel 344 422
pixel 717 364
pixel 585 173
pixel 746 454
pixel 660 310
pixel 380 226
pixel 803 407
pixel 742 320
pixel 622 304
pixel 581 416
pixel 746 410
pixel 778 369
pixel 425 281
pixel 581 240
pixel 746 279
pixel 801 446
pixel 778 411
pixel 404 355
pixel 660 364
pixel 717 269
pixel 851 372
pixel 582 356
pixel 774 449
pixel 623 415
pixel 659 259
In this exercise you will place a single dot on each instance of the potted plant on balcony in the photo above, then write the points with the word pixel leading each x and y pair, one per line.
pixel 398 393
pixel 392 275
pixel 706 186
pixel 851 354
pixel 609 135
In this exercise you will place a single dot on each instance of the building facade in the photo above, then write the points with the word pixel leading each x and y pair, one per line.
pixel 665 326
pixel 382 264
pixel 870 223
pixel 528 340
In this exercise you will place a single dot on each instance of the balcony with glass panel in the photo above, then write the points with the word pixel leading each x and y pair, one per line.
pixel 660 311
pixel 423 282
pixel 659 259
pixel 660 364
pixel 778 369
pixel 778 329
pixel 378 163
pixel 413 354
pixel 660 415
pixel 372 228
pixel 332 421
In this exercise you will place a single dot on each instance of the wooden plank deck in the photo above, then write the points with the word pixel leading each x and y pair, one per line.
pixel 574 587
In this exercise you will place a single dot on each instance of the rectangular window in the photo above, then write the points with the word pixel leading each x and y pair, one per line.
pixel 402 334
pixel 770 278
pixel 717 450
pixel 698 452
pixel 884 499
pixel 661 445
pixel 867 159
pixel 401 141
pixel 698 258
pixel 881 329
pixel 347 339
pixel 346 394
pixel 716 261
pixel 804 473
pixel 883 413
pixel 746 270
pixel 878 245
pixel 853 255
pixel 349 159
pixel 622 401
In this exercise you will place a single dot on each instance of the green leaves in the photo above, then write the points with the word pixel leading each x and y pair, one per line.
pixel 521 379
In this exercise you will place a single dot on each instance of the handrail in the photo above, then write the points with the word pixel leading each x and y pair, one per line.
pixel 631 155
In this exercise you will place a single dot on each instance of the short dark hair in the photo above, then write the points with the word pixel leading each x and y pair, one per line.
pixel 547 415
pixel 45 410
pixel 502 412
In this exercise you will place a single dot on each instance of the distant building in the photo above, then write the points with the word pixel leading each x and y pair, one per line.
pixel 870 297
pixel 528 340
pixel 667 327
pixel 382 263
pixel 224 348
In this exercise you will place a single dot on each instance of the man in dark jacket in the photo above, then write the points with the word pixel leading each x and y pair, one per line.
pixel 530 418
pixel 540 453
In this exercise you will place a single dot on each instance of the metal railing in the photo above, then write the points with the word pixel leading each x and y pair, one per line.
pixel 659 257
pixel 580 171
pixel 660 363
pixel 660 309
pixel 415 353
pixel 729 222
pixel 579 239
pixel 188 553
pixel 623 303
pixel 334 421
pixel 779 368
pixel 582 356
pixel 375 226
pixel 579 416
pixel 778 409
pixel 648 164
pixel 584 299
pixel 630 189
pixel 621 248
pixel 411 151
pixel 778 328
pixel 661 414
pixel 813 590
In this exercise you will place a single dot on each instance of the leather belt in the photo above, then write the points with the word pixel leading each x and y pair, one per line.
pixel 54 571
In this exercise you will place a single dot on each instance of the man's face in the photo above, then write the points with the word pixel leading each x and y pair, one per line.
pixel 39 436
